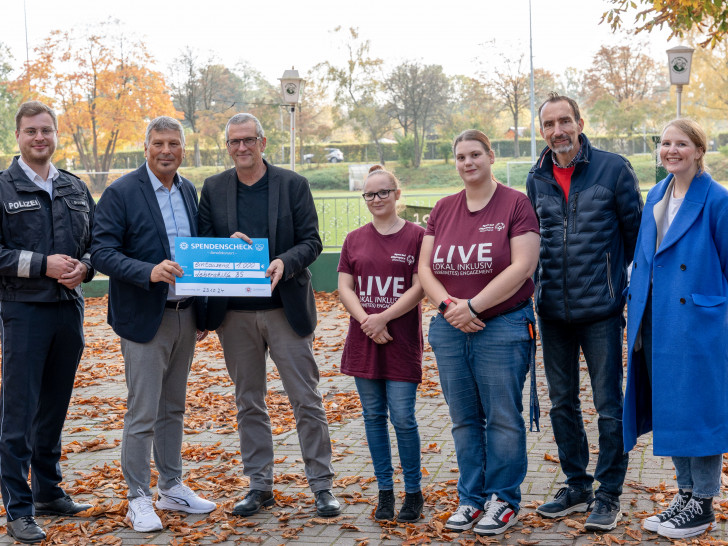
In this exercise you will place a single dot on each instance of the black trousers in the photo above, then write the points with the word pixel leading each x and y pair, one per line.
pixel 41 348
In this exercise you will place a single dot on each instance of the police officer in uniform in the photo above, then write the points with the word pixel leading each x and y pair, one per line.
pixel 45 231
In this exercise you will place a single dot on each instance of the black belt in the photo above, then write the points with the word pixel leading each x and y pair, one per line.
pixel 179 305
pixel 524 303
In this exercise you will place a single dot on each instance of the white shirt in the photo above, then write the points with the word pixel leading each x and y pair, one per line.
pixel 673 205
pixel 46 184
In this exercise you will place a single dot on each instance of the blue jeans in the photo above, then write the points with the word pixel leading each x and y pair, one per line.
pixel 601 343
pixel 377 396
pixel 482 376
pixel 701 475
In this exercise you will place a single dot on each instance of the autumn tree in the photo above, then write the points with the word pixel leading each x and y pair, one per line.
pixel 316 115
pixel 709 17
pixel 8 102
pixel 470 106
pixel 709 80
pixel 358 88
pixel 416 97
pixel 510 85
pixel 208 94
pixel 623 88
pixel 101 84
pixel 186 92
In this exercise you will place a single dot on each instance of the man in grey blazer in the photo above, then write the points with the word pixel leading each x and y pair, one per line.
pixel 258 200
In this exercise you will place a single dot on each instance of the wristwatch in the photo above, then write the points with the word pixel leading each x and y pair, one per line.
pixel 443 305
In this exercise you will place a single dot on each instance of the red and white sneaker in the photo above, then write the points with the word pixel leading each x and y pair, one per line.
pixel 499 516
pixel 463 518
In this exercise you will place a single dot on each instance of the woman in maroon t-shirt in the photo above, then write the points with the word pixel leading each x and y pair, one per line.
pixel 378 285
pixel 479 252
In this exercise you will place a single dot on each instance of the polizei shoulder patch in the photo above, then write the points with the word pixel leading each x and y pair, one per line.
pixel 12 207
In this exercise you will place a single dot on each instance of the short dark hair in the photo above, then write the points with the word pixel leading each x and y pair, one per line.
pixel 555 97
pixel 33 108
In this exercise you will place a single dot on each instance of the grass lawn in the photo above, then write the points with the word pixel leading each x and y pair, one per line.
pixel 435 176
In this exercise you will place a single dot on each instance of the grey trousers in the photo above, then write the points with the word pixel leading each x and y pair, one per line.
pixel 246 338
pixel 156 378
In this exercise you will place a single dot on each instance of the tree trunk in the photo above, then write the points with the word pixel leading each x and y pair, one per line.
pixel 198 158
pixel 380 152
pixel 98 182
pixel 417 152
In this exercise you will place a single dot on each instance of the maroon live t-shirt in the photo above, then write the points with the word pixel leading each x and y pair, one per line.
pixel 382 267
pixel 472 248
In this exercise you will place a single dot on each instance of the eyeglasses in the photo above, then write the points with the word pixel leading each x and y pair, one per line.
pixel 382 194
pixel 248 141
pixel 45 131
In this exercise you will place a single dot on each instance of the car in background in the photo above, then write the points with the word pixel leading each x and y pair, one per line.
pixel 333 155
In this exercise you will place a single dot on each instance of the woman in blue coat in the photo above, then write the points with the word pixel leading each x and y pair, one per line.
pixel 677 331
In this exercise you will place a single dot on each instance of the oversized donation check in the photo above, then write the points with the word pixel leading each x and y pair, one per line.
pixel 222 267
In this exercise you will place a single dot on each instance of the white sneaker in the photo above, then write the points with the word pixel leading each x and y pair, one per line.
pixel 498 517
pixel 182 498
pixel 141 514
pixel 463 518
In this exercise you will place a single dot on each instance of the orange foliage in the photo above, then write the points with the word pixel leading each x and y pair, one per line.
pixel 100 84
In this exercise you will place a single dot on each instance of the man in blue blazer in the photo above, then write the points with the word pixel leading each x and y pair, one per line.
pixel 137 220
pixel 256 199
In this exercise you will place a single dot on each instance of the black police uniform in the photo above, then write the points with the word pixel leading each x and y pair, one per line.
pixel 41 330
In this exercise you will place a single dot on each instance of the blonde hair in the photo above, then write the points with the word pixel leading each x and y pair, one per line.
pixel 378 170
pixel 695 133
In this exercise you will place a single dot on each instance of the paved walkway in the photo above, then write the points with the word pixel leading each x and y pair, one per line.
pixel 212 461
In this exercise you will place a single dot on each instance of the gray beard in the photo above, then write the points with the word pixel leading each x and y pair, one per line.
pixel 564 148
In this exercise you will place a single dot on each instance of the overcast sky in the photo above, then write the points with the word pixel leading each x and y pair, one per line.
pixel 275 35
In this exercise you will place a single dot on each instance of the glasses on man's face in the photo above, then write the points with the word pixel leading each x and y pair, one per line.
pixel 248 141
pixel 382 194
pixel 45 131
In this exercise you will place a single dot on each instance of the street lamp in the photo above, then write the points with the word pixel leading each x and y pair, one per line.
pixel 291 84
pixel 679 59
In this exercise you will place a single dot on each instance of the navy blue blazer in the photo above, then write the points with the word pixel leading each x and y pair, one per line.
pixel 129 239
pixel 293 237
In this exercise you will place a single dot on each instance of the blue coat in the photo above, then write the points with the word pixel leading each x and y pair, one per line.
pixel 687 407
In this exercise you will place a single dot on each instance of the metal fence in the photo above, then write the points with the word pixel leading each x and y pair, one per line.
pixel 339 215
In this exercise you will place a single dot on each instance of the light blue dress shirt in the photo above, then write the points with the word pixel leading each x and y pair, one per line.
pixel 174 213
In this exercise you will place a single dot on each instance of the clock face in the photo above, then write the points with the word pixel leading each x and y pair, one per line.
pixel 291 88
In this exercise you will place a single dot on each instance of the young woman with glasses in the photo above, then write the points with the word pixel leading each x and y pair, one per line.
pixel 378 285
pixel 479 252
